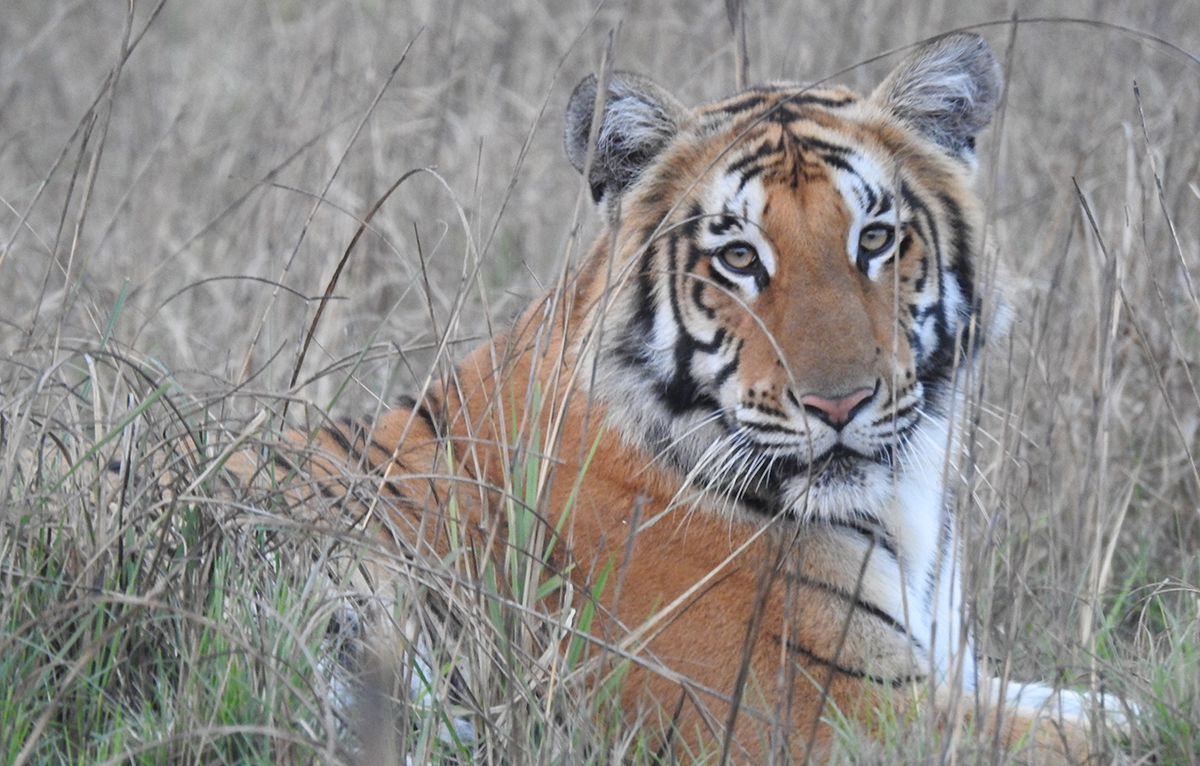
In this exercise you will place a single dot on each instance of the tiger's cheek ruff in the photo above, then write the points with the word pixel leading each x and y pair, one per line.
pixel 732 217
pixel 941 280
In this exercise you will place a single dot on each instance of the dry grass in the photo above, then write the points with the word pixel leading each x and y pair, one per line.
pixel 169 218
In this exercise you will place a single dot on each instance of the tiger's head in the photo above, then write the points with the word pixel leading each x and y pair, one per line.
pixel 791 282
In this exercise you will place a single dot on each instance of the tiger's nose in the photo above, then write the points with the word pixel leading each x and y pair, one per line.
pixel 838 411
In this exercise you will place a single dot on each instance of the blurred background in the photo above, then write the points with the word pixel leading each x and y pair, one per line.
pixel 179 182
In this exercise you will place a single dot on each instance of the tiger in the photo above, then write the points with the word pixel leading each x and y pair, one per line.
pixel 749 391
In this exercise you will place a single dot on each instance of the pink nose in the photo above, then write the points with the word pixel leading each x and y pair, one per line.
pixel 835 412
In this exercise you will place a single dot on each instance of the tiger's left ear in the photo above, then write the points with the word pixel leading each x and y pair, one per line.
pixel 947 89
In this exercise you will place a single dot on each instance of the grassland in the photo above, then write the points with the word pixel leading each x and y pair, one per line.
pixel 179 183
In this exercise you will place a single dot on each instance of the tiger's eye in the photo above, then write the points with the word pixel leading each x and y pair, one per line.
pixel 739 256
pixel 874 238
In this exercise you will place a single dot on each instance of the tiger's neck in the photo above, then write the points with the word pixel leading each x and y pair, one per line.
pixel 903 531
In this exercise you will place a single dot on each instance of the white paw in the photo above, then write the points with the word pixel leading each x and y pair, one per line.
pixel 1066 705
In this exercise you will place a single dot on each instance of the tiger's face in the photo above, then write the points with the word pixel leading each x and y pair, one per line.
pixel 795 281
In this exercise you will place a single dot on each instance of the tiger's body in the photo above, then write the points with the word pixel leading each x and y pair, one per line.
pixel 748 388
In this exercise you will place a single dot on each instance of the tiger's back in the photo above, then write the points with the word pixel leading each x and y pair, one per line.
pixel 747 395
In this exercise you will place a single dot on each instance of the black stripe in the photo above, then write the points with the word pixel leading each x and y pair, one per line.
pixel 810 144
pixel 755 503
pixel 682 393
pixel 869 528
pixel 673 276
pixel 742 104
pixel 644 303
pixel 960 231
pixel 335 433
pixel 713 346
pixel 290 467
pixel 961 267
pixel 723 222
pixel 872 198
pixel 284 462
pixel 425 414
pixel 906 243
pixel 836 161
pixel 858 603
pixel 885 202
pixel 768 410
pixel 767 428
pixel 386 450
pixel 934 365
pixel 423 411
pixel 690 226
pixel 902 411
pixel 924 225
pixel 761 94
pixel 698 289
pixel 725 372
pixel 749 175
pixel 804 99
pixel 765 149
pixel 695 254
pixel 795 648
pixel 717 276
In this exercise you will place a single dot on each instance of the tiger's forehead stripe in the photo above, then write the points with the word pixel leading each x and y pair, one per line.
pixel 854 169
pixel 781 99
pixel 810 135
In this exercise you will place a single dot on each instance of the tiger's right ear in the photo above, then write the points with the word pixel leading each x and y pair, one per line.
pixel 640 118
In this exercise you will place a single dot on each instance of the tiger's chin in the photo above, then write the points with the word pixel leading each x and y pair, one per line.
pixel 846 488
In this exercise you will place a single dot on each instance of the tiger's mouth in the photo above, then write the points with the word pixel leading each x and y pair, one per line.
pixel 769 475
pixel 842 459
pixel 793 454
pixel 839 462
